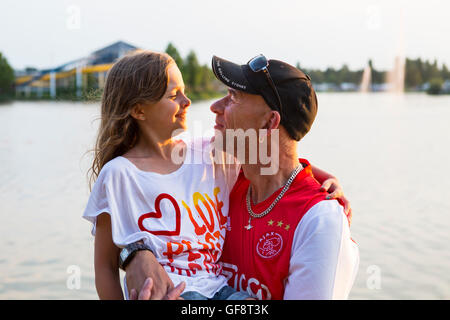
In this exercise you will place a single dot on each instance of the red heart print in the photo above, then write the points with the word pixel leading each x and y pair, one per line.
pixel 158 215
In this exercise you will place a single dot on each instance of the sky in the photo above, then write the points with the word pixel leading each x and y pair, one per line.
pixel 317 34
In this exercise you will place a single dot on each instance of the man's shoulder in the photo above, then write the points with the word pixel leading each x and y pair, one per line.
pixel 326 214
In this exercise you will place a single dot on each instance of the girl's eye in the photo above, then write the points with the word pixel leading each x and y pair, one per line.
pixel 173 97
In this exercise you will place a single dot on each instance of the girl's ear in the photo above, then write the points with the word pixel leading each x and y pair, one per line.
pixel 137 112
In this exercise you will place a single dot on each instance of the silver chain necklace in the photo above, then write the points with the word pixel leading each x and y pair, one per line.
pixel 265 212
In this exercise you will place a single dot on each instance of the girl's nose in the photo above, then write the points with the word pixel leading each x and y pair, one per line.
pixel 186 102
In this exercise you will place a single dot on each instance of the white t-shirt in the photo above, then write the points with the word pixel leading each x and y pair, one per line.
pixel 182 215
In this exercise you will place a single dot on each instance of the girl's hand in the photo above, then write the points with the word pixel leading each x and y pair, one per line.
pixel 334 188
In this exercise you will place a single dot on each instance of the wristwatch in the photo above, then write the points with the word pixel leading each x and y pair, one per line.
pixel 127 253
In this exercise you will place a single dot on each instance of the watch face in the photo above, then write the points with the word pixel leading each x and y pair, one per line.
pixel 124 254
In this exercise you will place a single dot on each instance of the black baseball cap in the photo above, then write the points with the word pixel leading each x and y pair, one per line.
pixel 298 98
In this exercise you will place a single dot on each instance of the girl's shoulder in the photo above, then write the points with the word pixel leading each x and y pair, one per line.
pixel 114 167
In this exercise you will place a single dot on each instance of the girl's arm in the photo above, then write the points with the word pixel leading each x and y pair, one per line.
pixel 106 261
pixel 321 175
pixel 331 185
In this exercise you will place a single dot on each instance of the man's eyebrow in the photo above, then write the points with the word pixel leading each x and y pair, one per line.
pixel 233 91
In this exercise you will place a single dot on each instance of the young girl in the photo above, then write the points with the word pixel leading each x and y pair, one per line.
pixel 141 193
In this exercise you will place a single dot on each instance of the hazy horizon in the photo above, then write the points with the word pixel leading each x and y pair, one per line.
pixel 317 34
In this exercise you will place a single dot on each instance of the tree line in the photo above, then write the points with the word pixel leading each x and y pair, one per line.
pixel 6 79
pixel 201 83
pixel 417 74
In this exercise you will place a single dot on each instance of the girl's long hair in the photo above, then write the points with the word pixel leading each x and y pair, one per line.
pixel 137 78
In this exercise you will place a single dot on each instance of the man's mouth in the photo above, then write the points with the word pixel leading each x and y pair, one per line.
pixel 219 126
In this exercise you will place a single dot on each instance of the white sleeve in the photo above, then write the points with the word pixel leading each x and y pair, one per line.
pixel 112 194
pixel 324 258
pixel 98 200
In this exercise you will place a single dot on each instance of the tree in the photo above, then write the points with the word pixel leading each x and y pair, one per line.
pixel 377 76
pixel 173 52
pixel 435 86
pixel 6 78
pixel 192 72
pixel 206 79
pixel 445 72
pixel 413 76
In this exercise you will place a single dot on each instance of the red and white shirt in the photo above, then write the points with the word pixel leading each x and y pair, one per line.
pixel 302 249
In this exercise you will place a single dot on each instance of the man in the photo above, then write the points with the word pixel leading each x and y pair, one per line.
pixel 284 239
pixel 293 243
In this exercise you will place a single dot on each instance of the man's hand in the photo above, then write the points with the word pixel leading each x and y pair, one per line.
pixel 146 291
pixel 334 188
pixel 144 265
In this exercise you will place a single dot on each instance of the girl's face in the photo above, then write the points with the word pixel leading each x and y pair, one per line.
pixel 169 113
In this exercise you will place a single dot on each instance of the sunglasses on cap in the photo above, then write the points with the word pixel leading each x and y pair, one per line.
pixel 260 63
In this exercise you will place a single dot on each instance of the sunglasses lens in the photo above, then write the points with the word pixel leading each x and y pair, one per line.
pixel 258 63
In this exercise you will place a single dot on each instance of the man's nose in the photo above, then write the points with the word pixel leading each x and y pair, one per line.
pixel 218 106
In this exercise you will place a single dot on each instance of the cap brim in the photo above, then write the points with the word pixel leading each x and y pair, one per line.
pixel 230 74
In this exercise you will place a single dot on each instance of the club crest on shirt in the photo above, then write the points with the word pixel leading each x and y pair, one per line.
pixel 269 245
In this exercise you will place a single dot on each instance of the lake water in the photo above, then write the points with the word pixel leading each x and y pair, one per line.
pixel 390 152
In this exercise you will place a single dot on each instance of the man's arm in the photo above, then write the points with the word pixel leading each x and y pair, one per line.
pixel 145 265
pixel 324 259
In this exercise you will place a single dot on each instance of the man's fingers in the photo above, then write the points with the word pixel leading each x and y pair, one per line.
pixel 146 291
pixel 175 292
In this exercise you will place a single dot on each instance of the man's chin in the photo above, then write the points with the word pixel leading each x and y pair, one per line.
pixel 219 139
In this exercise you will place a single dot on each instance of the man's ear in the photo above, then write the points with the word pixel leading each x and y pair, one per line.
pixel 273 122
pixel 137 112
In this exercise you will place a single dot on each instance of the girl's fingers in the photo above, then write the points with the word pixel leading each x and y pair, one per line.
pixel 337 194
pixel 146 291
pixel 346 203
pixel 349 217
pixel 326 185
pixel 175 293
pixel 133 294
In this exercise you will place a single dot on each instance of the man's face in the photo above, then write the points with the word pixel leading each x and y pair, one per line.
pixel 240 110
pixel 239 117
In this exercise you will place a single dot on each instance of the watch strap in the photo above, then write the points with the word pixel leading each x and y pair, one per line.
pixel 127 253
